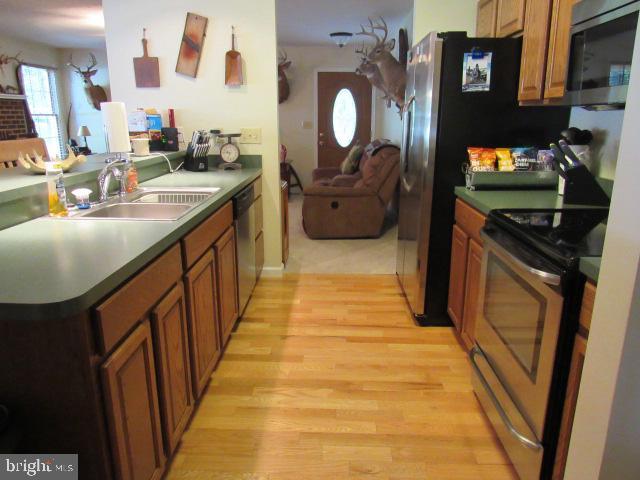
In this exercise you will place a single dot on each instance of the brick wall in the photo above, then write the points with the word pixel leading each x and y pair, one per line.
pixel 13 123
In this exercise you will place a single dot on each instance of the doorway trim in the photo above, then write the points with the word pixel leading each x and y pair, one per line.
pixel 315 106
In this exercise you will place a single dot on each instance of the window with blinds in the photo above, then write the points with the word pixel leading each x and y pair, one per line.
pixel 39 85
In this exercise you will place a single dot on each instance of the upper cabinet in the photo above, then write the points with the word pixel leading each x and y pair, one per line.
pixel 511 15
pixel 486 18
pixel 545 50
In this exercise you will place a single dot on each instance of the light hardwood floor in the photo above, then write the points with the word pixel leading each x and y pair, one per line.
pixel 327 377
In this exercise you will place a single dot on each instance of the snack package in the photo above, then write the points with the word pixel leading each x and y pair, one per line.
pixel 524 158
pixel 482 159
pixel 545 161
pixel 505 162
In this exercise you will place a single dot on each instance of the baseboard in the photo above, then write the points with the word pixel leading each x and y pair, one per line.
pixel 272 272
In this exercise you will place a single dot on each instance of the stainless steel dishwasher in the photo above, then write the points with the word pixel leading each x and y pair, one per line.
pixel 245 220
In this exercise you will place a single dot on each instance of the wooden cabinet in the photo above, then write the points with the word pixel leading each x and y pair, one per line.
pixel 486 17
pixel 129 379
pixel 259 229
pixel 284 196
pixel 171 346
pixel 573 382
pixel 471 291
pixel 204 326
pixel 545 50
pixel 558 53
pixel 227 271
pixel 510 17
pixel 466 265
pixel 459 247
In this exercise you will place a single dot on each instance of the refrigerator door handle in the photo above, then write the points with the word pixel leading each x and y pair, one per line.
pixel 408 117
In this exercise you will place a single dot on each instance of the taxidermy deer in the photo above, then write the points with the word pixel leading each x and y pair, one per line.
pixel 394 75
pixel 283 82
pixel 95 93
pixel 371 71
pixel 6 60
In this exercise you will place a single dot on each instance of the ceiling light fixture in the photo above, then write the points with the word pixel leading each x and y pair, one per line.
pixel 341 38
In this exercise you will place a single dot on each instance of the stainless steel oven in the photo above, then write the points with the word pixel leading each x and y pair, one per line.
pixel 518 322
pixel 601 49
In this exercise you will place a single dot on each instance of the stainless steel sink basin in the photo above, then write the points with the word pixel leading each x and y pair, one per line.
pixel 160 204
pixel 139 211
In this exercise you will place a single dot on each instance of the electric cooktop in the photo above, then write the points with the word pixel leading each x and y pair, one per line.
pixel 565 235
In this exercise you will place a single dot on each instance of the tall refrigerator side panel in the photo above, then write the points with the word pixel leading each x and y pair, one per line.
pixel 416 179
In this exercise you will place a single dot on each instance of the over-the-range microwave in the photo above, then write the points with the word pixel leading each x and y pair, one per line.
pixel 601 48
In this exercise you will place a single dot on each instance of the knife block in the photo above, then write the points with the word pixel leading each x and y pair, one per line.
pixel 581 188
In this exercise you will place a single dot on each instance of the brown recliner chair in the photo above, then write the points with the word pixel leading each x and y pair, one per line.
pixel 352 206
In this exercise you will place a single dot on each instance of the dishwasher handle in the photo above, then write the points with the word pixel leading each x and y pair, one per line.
pixel 243 201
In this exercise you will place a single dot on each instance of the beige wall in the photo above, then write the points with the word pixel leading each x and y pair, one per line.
pixel 72 93
pixel 205 102
pixel 30 52
pixel 606 430
pixel 442 16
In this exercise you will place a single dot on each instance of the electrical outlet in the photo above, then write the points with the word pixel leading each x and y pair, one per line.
pixel 250 135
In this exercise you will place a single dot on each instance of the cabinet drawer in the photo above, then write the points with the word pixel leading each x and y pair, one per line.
pixel 258 210
pixel 122 310
pixel 469 219
pixel 200 239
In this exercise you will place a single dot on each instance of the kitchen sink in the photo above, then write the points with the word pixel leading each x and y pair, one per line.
pixel 160 204
pixel 138 211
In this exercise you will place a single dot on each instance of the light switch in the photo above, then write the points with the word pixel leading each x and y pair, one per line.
pixel 250 135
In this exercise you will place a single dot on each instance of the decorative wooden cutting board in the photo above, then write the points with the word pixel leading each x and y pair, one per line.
pixel 146 68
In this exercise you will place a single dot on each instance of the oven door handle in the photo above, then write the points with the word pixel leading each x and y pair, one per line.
pixel 526 441
pixel 550 278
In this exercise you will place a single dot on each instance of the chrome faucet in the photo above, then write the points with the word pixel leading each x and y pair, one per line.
pixel 112 170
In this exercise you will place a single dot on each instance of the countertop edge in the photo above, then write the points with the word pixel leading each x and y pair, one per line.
pixel 75 305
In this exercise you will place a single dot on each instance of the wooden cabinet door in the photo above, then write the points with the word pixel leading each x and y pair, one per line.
pixel 225 249
pixel 171 340
pixel 558 55
pixel 285 222
pixel 459 246
pixel 486 18
pixel 511 14
pixel 569 408
pixel 534 51
pixel 472 283
pixel 259 254
pixel 204 327
pixel 129 379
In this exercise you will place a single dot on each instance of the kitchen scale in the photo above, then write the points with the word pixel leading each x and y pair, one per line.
pixel 230 153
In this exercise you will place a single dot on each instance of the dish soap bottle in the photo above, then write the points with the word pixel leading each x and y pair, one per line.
pixel 132 178
pixel 57 193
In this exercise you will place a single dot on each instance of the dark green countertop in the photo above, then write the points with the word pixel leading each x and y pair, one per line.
pixel 486 200
pixel 60 267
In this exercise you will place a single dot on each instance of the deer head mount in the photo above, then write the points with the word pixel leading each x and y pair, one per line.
pixel 393 74
pixel 283 82
pixel 372 72
pixel 95 93
pixel 6 60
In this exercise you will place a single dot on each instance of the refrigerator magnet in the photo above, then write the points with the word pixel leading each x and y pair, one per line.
pixel 476 72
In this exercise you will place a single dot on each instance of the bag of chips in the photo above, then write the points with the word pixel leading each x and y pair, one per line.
pixel 545 161
pixel 524 158
pixel 482 159
pixel 505 162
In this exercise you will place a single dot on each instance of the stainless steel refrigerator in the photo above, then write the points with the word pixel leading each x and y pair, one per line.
pixel 441 119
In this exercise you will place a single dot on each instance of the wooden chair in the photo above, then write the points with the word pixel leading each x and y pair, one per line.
pixel 10 149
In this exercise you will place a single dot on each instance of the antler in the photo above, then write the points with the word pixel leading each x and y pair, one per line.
pixel 282 57
pixel 71 64
pixel 94 62
pixel 363 51
pixel 382 27
pixel 369 34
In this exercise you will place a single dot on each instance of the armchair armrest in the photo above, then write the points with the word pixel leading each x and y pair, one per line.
pixel 325 172
pixel 324 191
pixel 346 180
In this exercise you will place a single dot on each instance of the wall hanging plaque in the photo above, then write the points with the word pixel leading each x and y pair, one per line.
pixel 195 29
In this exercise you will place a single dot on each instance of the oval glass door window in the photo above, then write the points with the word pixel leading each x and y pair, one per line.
pixel 345 117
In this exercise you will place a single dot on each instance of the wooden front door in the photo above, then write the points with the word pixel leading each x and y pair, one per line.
pixel 344 115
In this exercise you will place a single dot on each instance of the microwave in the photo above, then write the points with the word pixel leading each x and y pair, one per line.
pixel 601 48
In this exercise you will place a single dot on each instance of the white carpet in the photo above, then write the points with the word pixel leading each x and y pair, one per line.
pixel 368 256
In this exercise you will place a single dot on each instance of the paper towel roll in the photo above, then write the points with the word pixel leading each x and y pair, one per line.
pixel 116 127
